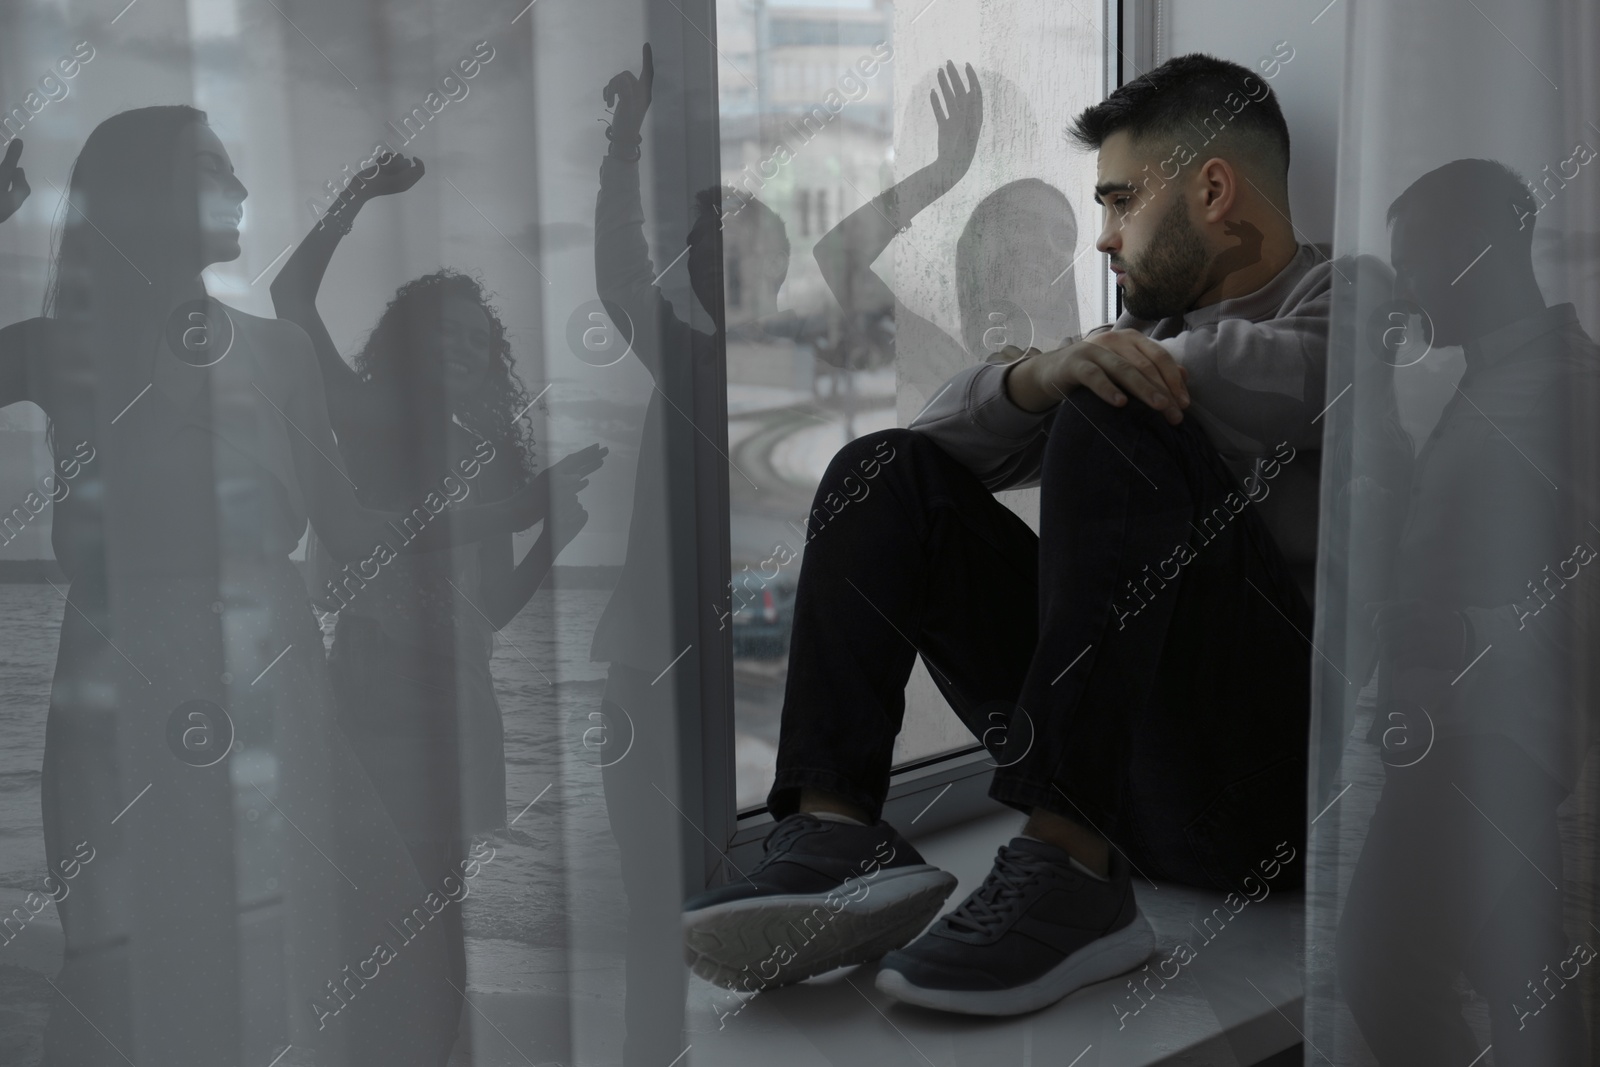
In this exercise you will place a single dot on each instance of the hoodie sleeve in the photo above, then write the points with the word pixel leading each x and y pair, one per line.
pixel 979 426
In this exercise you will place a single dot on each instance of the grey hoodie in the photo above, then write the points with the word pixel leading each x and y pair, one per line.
pixel 1257 378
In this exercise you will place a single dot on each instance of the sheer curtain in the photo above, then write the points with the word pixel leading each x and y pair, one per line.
pixel 1451 901
pixel 213 840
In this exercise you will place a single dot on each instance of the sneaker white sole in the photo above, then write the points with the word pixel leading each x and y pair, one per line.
pixel 772 941
pixel 1116 953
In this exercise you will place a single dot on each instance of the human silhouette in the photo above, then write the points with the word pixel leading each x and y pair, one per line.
pixel 432 406
pixel 846 253
pixel 1486 675
pixel 1143 650
pixel 634 635
pixel 1013 257
pixel 245 870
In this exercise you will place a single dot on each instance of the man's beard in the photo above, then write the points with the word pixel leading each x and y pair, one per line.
pixel 1167 276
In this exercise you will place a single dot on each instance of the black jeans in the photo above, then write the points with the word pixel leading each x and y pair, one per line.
pixel 1141 665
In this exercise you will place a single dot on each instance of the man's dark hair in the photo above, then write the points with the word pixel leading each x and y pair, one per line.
pixel 1473 190
pixel 1178 98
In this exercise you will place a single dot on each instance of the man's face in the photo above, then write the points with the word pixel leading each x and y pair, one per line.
pixel 1430 257
pixel 1159 256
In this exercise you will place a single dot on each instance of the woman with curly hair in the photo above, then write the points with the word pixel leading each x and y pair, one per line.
pixel 432 410
pixel 240 857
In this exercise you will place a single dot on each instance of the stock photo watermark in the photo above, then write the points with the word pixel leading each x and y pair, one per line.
pixel 12 925
pixel 200 733
pixel 452 490
pixel 1581 956
pixel 1184 953
pixel 853 891
pixel 55 488
pixel 53 87
pixel 454 890
pixel 607 738
pixel 853 85
pixel 1389 334
pixel 760 579
pixel 1535 602
pixel 452 89
pixel 594 337
pixel 200 332
pixel 1183 153
pixel 1582 155
pixel 1256 490
pixel 832 504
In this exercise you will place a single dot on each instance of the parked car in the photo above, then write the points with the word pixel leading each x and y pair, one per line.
pixel 762 615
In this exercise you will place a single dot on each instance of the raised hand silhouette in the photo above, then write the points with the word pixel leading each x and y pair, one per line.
pixel 13 182
pixel 630 96
pixel 395 174
pixel 845 254
pixel 960 121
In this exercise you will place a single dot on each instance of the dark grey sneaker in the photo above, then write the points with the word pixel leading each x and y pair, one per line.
pixel 1037 929
pixel 825 895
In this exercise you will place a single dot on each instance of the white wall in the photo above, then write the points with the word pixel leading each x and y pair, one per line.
pixel 1308 85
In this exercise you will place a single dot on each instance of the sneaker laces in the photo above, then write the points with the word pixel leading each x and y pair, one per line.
pixel 778 840
pixel 1013 874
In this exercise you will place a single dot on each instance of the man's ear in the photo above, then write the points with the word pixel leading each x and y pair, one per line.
pixel 1219 188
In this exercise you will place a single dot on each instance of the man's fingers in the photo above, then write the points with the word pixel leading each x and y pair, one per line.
pixel 647 71
pixel 1093 377
pixel 13 152
pixel 1156 358
pixel 1134 371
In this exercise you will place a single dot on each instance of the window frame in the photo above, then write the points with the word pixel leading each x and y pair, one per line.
pixel 928 794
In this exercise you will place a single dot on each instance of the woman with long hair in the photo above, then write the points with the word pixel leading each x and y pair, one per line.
pixel 433 397
pixel 237 884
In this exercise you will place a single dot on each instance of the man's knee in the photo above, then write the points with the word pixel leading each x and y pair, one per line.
pixel 866 456
pixel 1137 434
pixel 858 468
pixel 1084 415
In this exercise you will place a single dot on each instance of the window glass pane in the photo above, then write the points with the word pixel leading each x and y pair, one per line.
pixel 868 323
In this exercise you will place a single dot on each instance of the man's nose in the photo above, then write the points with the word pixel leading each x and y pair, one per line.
pixel 1110 237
